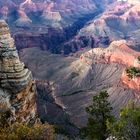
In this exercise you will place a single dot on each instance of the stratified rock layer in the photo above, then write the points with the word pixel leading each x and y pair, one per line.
pixel 118 21
pixel 17 89
pixel 77 80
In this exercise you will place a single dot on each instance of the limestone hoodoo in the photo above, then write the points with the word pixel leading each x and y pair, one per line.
pixel 17 88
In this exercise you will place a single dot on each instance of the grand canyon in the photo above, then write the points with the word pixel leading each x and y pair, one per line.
pixel 55 55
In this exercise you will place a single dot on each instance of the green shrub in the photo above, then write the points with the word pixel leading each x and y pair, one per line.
pixel 138 58
pixel 99 112
pixel 127 127
pixel 24 131
pixel 132 72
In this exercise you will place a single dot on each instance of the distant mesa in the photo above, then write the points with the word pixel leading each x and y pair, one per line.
pixel 52 16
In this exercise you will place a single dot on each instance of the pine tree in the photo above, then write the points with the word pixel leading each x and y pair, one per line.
pixel 99 113
pixel 127 127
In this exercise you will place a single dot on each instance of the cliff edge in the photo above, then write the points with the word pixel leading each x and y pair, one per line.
pixel 17 88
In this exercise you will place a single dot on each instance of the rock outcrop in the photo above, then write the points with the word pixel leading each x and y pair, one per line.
pixel 53 11
pixel 79 78
pixel 17 88
pixel 117 52
pixel 32 18
pixel 119 21
pixel 23 20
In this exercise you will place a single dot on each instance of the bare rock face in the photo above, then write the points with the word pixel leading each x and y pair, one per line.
pixel 41 17
pixel 119 21
pixel 81 76
pixel 117 52
pixel 23 20
pixel 50 11
pixel 17 89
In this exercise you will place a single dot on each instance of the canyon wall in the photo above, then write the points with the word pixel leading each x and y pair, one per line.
pixel 17 88
pixel 118 21
pixel 37 20
pixel 117 52
pixel 79 77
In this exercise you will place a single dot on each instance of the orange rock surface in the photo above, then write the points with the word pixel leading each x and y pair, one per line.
pixel 117 52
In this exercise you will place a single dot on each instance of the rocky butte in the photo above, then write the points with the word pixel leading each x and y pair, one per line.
pixel 17 88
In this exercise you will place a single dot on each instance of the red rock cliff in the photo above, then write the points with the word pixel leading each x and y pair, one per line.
pixel 117 52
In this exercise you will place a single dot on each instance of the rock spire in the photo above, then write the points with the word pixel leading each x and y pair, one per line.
pixel 17 88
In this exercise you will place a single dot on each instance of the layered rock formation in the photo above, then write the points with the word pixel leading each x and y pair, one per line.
pixel 31 17
pixel 53 11
pixel 117 52
pixel 79 78
pixel 49 38
pixel 23 20
pixel 17 88
pixel 121 20
pixel 51 26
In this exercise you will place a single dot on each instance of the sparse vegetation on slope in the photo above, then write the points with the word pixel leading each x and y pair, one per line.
pixel 24 131
pixel 138 58
pixel 132 72
pixel 102 125
pixel 127 127
pixel 99 113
